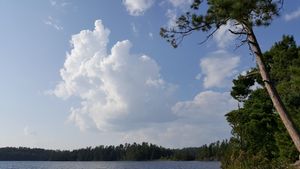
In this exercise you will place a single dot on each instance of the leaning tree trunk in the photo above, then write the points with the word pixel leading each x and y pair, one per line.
pixel 277 102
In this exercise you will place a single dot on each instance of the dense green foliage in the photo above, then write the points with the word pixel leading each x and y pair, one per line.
pixel 136 152
pixel 259 137
pixel 211 152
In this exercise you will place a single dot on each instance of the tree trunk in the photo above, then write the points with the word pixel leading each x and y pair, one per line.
pixel 277 102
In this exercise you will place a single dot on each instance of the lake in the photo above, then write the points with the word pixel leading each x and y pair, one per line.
pixel 109 165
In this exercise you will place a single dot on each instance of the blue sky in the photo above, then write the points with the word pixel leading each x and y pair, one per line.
pixel 84 73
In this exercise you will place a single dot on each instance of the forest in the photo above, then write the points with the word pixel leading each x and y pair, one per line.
pixel 126 152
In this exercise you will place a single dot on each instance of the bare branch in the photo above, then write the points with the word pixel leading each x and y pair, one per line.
pixel 237 33
pixel 242 43
pixel 209 36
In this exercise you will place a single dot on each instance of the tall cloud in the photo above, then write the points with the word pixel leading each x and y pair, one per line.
pixel 118 90
pixel 137 7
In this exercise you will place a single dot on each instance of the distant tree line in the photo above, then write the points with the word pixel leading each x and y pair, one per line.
pixel 130 152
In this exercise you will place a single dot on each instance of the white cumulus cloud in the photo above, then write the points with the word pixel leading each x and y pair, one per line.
pixel 137 7
pixel 223 37
pixel 117 89
pixel 206 106
pixel 218 68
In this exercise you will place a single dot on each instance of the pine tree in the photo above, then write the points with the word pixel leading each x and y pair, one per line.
pixel 245 15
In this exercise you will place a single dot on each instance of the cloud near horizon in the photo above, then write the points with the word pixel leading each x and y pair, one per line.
pixel 201 121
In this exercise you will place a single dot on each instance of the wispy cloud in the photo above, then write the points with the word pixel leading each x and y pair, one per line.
pixel 53 2
pixel 28 131
pixel 59 3
pixel 293 15
pixel 171 14
pixel 150 34
pixel 137 7
pixel 53 23
pixel 134 29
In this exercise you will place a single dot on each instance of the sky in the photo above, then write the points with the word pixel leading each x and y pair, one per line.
pixel 78 73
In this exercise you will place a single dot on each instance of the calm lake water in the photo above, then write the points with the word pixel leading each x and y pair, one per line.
pixel 109 165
